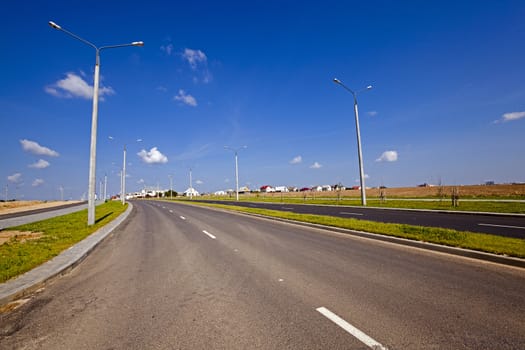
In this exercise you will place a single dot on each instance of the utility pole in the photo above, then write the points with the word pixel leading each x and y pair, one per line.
pixel 191 187
pixel 124 177
pixel 105 187
pixel 171 186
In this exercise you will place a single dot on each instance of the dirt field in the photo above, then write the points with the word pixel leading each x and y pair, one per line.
pixel 475 191
pixel 19 206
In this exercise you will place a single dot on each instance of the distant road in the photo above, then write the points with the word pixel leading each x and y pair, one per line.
pixel 175 276
pixel 28 216
pixel 501 225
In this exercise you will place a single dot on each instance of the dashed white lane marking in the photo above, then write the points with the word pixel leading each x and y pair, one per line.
pixel 365 339
pixel 505 226
pixel 347 213
pixel 252 205
pixel 182 217
pixel 171 211
pixel 287 208
pixel 209 234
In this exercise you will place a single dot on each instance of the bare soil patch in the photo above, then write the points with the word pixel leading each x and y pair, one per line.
pixel 20 236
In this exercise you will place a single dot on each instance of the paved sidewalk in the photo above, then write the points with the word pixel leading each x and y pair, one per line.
pixel 34 279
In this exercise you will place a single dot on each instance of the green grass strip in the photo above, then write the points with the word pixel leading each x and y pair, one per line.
pixel 469 240
pixel 496 206
pixel 58 234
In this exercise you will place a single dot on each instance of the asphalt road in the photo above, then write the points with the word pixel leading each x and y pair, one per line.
pixel 501 225
pixel 182 277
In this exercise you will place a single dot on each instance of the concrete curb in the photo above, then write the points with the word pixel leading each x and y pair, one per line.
pixel 37 277
pixel 466 253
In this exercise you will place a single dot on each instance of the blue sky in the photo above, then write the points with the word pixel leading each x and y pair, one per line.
pixel 447 104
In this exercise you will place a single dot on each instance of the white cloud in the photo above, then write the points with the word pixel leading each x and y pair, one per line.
pixel 15 178
pixel 74 86
pixel 37 182
pixel 41 164
pixel 296 160
pixel 185 98
pixel 507 117
pixel 316 166
pixel 194 57
pixel 199 64
pixel 35 148
pixel 153 156
pixel 199 182
pixel 372 113
pixel 388 156
pixel 168 49
pixel 141 181
pixel 162 88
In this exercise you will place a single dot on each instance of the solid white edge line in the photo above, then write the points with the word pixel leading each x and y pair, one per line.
pixel 365 339
pixel 209 234
pixel 505 226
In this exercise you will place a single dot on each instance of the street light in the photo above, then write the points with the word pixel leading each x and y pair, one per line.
pixel 359 152
pixel 171 186
pixel 236 150
pixel 93 147
pixel 123 196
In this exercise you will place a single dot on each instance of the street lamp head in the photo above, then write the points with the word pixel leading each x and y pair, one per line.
pixel 337 81
pixel 369 87
pixel 54 25
pixel 138 43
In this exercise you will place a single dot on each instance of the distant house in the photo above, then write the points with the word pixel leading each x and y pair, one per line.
pixel 305 189
pixel 316 189
pixel 267 189
pixel 219 193
pixel 244 189
pixel 326 188
pixel 191 192
pixel 281 189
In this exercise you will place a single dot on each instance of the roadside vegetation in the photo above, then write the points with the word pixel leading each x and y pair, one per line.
pixel 503 198
pixel 489 206
pixel 469 240
pixel 27 246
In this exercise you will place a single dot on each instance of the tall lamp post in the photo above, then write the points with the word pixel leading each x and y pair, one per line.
pixel 93 147
pixel 123 196
pixel 359 152
pixel 236 150
pixel 171 186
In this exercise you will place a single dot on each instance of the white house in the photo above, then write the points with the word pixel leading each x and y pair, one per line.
pixel 220 193
pixel 191 192
pixel 326 188
pixel 281 189
pixel 267 189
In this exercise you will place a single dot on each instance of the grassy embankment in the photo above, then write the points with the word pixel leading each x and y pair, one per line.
pixel 52 236
pixel 468 240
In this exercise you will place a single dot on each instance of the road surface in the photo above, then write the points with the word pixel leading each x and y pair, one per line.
pixel 501 225
pixel 182 277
